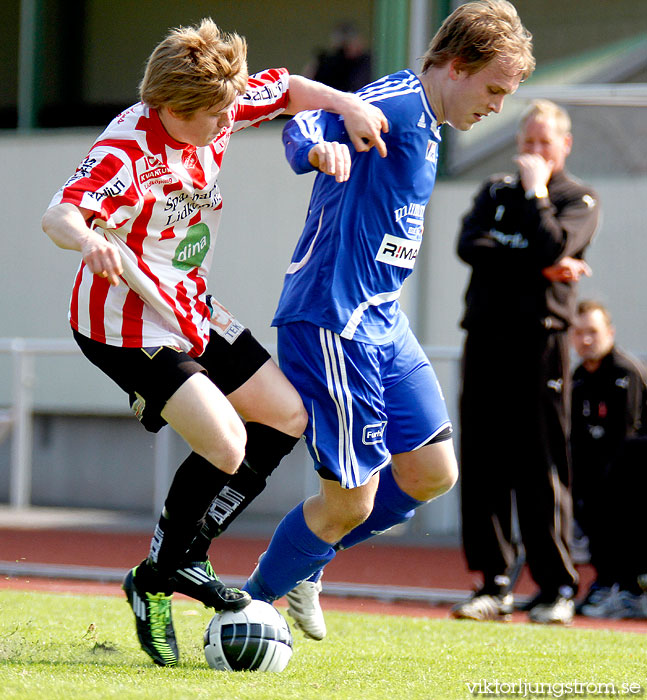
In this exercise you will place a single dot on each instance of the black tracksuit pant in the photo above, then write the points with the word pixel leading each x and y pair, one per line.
pixel 612 516
pixel 514 444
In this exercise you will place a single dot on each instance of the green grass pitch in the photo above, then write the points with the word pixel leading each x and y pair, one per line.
pixel 61 647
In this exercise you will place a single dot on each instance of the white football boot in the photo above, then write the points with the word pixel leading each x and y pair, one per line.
pixel 305 610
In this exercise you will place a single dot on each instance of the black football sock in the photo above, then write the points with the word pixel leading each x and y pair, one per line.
pixel 265 449
pixel 193 488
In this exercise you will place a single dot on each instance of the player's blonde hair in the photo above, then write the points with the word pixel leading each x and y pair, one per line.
pixel 544 110
pixel 478 32
pixel 195 68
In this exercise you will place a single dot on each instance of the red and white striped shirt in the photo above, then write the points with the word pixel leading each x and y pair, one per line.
pixel 158 201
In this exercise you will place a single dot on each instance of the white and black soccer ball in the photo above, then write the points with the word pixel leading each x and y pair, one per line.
pixel 256 638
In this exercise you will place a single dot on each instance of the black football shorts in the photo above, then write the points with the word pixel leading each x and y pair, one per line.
pixel 150 376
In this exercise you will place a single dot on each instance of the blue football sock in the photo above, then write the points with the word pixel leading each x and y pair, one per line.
pixel 294 554
pixel 392 506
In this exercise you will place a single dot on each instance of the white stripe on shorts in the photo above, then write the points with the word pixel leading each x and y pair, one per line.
pixel 340 393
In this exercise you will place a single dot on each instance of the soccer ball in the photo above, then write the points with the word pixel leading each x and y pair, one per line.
pixel 256 638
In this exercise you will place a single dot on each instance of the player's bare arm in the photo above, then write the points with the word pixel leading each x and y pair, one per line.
pixel 331 158
pixel 66 225
pixel 364 122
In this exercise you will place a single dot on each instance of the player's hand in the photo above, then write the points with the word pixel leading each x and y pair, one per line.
pixel 567 270
pixel 365 123
pixel 534 171
pixel 102 257
pixel 331 158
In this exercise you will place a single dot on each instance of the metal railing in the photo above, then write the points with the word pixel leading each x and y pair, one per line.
pixel 18 418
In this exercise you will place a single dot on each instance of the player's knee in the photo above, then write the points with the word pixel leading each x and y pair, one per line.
pixel 442 471
pixel 353 515
pixel 228 455
pixel 445 476
pixel 296 420
pixel 438 479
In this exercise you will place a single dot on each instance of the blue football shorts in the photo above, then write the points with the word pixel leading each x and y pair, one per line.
pixel 364 402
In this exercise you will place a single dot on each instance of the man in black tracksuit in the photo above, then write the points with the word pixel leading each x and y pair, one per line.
pixel 609 453
pixel 524 238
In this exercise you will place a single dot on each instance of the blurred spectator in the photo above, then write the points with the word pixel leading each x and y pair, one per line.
pixel 609 450
pixel 346 64
pixel 524 239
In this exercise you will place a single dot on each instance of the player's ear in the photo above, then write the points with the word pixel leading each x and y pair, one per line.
pixel 456 68
pixel 174 114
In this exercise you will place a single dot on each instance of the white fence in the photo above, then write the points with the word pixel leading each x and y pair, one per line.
pixel 19 417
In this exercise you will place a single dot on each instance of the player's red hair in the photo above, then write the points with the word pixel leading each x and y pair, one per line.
pixel 195 68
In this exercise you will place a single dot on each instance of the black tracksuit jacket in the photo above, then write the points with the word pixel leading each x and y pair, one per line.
pixel 514 399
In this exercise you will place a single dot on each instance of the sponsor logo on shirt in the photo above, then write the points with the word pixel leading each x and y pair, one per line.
pixel 397 251
pixel 156 173
pixel 179 206
pixel 159 176
pixel 114 188
pixel 374 433
pixel 82 171
pixel 411 211
pixel 192 250
pixel 413 214
pixel 270 92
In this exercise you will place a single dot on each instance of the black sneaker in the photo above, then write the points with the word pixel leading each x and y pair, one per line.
pixel 198 580
pixel 153 622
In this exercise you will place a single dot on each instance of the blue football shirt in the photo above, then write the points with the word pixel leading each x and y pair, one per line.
pixel 361 237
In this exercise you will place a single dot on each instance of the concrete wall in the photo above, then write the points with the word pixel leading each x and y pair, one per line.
pixel 81 460
pixel 617 256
